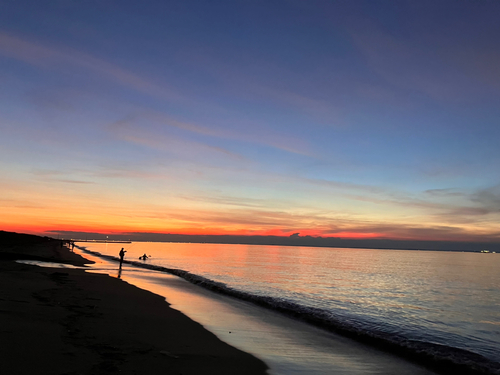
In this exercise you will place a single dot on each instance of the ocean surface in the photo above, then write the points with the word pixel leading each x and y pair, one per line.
pixel 443 304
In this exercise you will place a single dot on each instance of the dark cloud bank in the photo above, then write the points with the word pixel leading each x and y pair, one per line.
pixel 293 240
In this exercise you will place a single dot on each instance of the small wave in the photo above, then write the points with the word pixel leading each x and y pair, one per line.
pixel 442 358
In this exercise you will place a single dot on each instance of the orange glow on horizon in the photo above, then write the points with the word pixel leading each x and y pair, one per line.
pixel 109 225
pixel 44 230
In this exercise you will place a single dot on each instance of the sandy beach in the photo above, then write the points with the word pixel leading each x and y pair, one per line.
pixel 67 321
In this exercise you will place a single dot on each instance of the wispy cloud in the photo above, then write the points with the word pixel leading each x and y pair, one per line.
pixel 123 171
pixel 236 218
pixel 451 205
pixel 488 198
pixel 444 205
pixel 165 141
pixel 21 204
pixel 271 83
pixel 258 221
pixel 412 63
pixel 66 181
pixel 444 193
pixel 56 176
pixel 49 57
pixel 46 172
pixel 237 129
pixel 231 201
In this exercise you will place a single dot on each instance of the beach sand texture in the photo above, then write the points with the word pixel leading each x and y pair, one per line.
pixel 67 321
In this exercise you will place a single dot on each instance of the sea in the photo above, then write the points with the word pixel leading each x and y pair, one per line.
pixel 310 310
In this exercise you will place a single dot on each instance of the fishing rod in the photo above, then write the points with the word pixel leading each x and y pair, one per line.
pixel 131 246
pixel 142 256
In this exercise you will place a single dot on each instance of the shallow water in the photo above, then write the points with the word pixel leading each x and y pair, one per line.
pixel 48 264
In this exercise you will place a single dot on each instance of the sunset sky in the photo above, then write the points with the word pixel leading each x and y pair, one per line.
pixel 354 119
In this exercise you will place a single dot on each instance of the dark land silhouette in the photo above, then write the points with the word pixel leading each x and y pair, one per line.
pixel 293 240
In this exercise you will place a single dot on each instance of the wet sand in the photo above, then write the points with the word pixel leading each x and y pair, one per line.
pixel 67 321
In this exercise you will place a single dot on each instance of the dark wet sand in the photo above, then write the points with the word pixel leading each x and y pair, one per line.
pixel 67 321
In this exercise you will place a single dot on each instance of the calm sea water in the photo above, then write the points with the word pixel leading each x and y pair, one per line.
pixel 411 298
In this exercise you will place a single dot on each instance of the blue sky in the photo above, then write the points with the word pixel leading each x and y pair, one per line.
pixel 342 118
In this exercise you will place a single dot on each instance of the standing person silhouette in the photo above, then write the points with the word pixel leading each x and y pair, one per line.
pixel 122 254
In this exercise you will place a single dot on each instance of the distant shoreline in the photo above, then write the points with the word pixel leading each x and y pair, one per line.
pixel 294 240
pixel 99 241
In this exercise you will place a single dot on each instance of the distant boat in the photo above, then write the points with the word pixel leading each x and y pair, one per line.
pixel 485 251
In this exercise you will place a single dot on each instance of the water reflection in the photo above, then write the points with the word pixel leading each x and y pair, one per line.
pixel 287 346
pixel 48 264
pixel 439 297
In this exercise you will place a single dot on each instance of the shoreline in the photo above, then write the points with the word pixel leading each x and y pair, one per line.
pixel 297 240
pixel 74 322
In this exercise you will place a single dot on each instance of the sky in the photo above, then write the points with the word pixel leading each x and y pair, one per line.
pixel 350 119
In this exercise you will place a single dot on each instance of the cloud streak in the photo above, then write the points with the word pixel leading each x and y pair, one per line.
pixel 49 57
pixel 127 131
